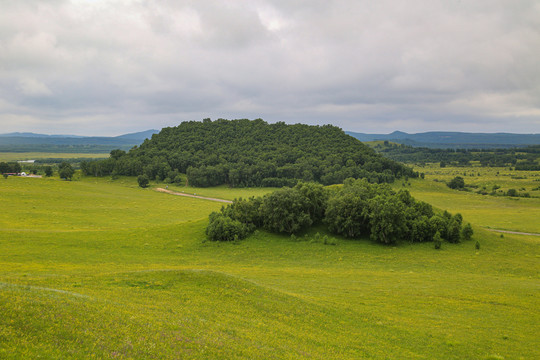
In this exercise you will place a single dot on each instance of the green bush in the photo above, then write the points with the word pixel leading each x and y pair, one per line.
pixel 223 228
pixel 512 192
pixel 329 241
pixel 467 232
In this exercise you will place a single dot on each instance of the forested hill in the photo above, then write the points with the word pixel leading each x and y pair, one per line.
pixel 250 153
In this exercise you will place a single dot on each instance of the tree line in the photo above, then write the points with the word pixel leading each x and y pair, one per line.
pixel 355 210
pixel 10 167
pixel 525 158
pixel 250 153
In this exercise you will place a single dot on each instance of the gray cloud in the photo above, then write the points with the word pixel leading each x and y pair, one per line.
pixel 109 67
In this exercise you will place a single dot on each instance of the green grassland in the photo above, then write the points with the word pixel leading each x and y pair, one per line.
pixel 497 212
pixel 96 268
pixel 18 156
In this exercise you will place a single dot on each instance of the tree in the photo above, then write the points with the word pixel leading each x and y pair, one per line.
pixel 143 181
pixel 467 232
pixel 347 210
pixel 457 183
pixel 387 219
pixel 453 234
pixel 65 171
pixel 347 214
pixel 285 211
pixel 116 154
pixel 48 171
pixel 437 240
pixel 317 196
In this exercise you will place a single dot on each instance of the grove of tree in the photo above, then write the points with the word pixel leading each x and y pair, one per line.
pixel 355 210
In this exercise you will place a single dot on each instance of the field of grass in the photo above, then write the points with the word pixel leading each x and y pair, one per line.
pixel 496 212
pixel 18 156
pixel 96 268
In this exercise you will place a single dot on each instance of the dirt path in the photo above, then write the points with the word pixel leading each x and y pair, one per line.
pixel 512 232
pixel 192 195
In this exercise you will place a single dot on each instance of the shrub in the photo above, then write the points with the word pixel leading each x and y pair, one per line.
pixel 245 211
pixel 512 192
pixel 477 245
pixel 467 232
pixel 223 228
pixel 329 241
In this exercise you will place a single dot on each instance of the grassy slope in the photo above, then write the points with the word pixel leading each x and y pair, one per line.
pixel 103 268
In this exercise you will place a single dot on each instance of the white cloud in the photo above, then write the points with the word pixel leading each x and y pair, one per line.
pixel 362 65
pixel 32 87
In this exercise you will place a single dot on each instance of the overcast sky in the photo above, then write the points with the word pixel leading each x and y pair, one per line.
pixel 96 67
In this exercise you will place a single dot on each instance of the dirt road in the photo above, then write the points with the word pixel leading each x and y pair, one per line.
pixel 513 232
pixel 192 195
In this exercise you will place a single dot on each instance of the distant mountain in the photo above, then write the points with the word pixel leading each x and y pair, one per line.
pixel 71 143
pixel 142 135
pixel 33 135
pixel 446 139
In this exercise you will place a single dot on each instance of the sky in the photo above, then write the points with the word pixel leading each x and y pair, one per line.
pixel 96 67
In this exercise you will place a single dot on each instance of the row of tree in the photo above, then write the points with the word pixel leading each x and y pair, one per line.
pixel 65 169
pixel 525 158
pixel 249 153
pixel 357 209
pixel 10 167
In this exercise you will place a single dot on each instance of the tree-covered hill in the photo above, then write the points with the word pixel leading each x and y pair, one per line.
pixel 250 153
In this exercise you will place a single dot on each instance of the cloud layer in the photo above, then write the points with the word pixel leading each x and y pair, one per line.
pixel 99 67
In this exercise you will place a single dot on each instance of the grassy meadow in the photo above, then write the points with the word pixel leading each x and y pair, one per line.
pixel 103 269
pixel 496 212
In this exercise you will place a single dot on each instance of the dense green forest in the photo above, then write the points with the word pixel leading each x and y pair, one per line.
pixel 358 209
pixel 526 158
pixel 250 153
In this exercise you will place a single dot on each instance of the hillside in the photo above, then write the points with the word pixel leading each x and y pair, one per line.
pixel 456 140
pixel 104 269
pixel 251 153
